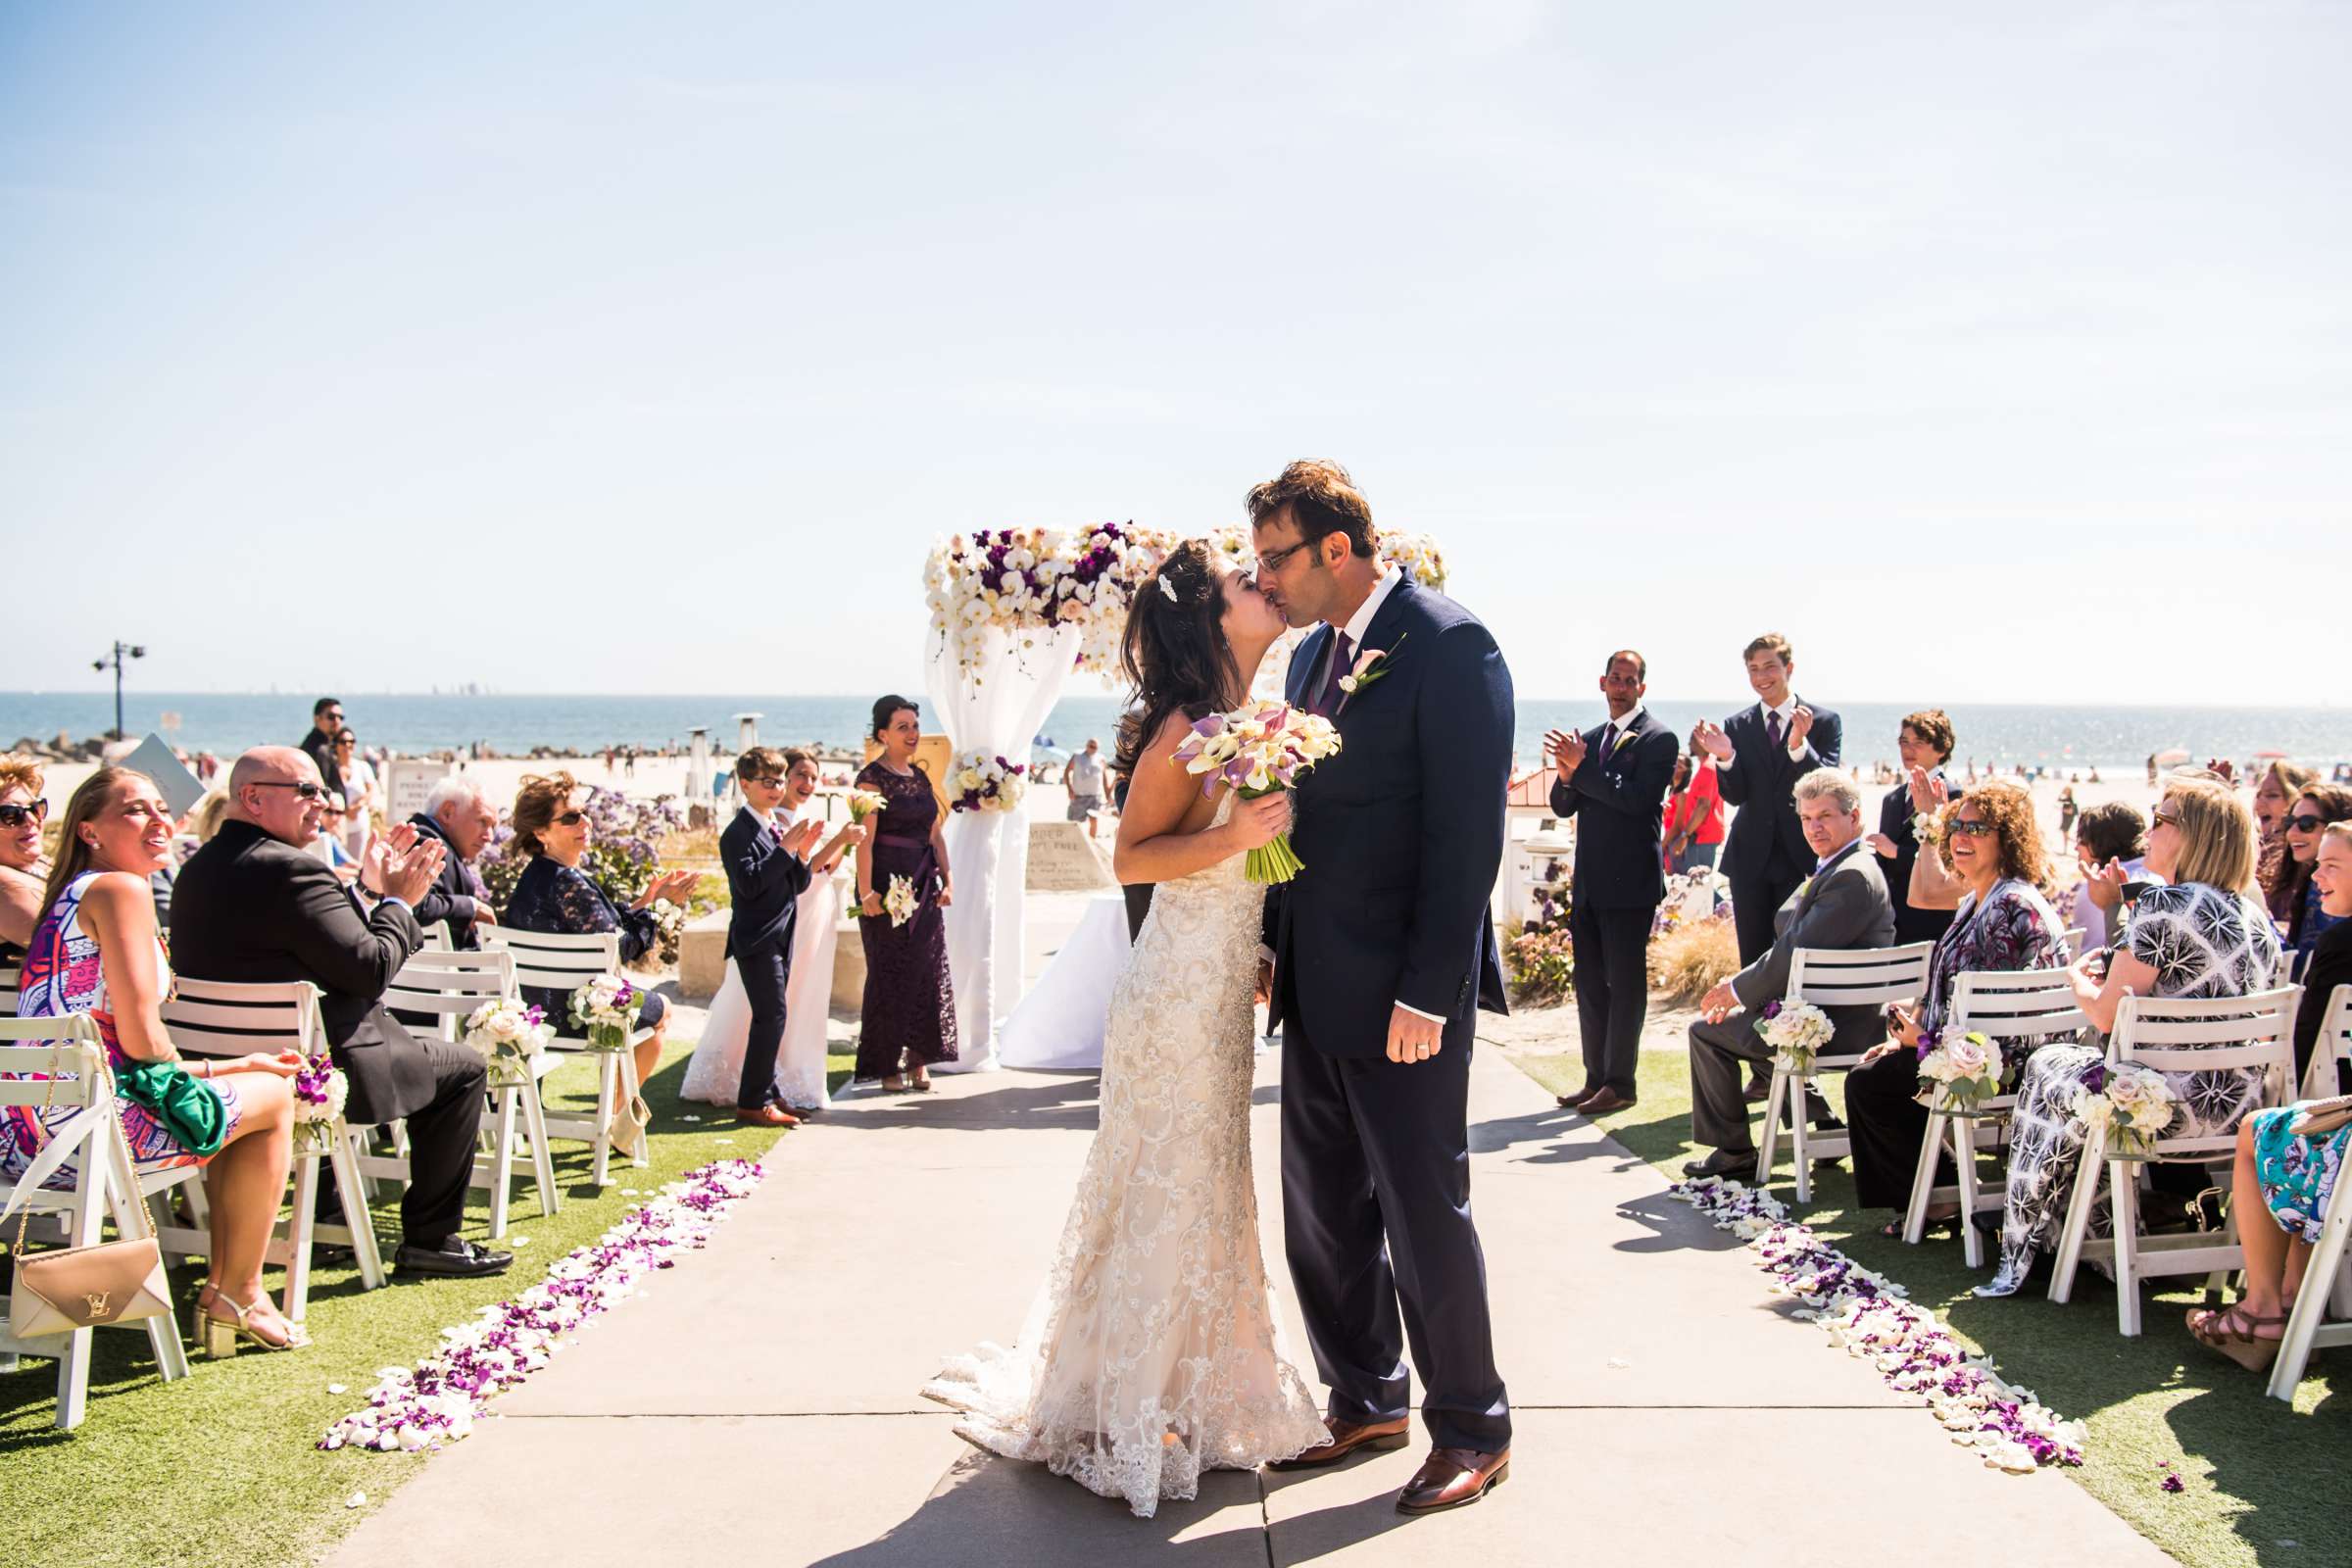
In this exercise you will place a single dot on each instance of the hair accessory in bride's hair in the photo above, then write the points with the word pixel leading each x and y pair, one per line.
pixel 1168 588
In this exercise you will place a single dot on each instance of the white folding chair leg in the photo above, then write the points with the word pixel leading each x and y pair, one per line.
pixel 74 1365
pixel 2126 1209
pixel 1963 1155
pixel 2092 1170
pixel 1798 1135
pixel 2324 1278
pixel 131 1220
pixel 351 1192
pixel 607 1078
pixel 502 1160
pixel 543 1160
pixel 300 1231
pixel 630 1090
pixel 1923 1179
pixel 1768 1148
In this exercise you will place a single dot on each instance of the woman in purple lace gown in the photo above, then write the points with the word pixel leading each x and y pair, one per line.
pixel 910 1015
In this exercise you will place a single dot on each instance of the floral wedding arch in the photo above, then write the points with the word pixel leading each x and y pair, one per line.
pixel 1014 612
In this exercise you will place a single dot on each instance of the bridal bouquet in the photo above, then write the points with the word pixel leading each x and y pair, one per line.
pixel 864 803
pixel 1796 1031
pixel 604 1008
pixel 900 902
pixel 2131 1104
pixel 983 783
pixel 509 1034
pixel 320 1091
pixel 1960 1074
pixel 1259 749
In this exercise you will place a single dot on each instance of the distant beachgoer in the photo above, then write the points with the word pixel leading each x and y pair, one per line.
pixel 1085 785
pixel 2067 809
pixel 357 824
pixel 910 1012
pixel 1692 826
pixel 327 717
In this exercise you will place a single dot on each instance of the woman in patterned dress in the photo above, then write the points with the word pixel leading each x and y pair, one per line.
pixel 96 952
pixel 2205 935
pixel 2296 1172
pixel 909 1021
pixel 2001 921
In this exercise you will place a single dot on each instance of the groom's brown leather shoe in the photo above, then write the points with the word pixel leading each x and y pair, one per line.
pixel 1451 1477
pixel 1346 1437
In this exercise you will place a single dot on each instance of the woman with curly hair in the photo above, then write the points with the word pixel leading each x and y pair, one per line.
pixel 2000 920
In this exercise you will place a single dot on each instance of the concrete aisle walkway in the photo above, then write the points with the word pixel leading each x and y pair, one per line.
pixel 760 1405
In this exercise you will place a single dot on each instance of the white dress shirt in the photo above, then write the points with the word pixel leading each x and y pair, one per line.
pixel 1788 711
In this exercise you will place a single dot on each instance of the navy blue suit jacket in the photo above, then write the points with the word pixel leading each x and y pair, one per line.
pixel 1762 783
pixel 764 885
pixel 1401 832
pixel 1619 803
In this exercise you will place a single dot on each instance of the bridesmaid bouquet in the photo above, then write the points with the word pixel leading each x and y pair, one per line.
pixel 604 1008
pixel 1257 751
pixel 1959 1074
pixel 864 803
pixel 320 1091
pixel 509 1034
pixel 900 902
pixel 1796 1031
pixel 982 783
pixel 2131 1104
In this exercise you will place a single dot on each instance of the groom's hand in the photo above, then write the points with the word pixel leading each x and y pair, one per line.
pixel 1411 1037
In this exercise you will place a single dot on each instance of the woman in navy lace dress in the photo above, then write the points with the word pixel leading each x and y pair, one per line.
pixel 558 898
pixel 910 1015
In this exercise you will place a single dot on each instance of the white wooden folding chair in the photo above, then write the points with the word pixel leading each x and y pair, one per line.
pixel 2316 1321
pixel 2002 1007
pixel 1833 977
pixel 105 1182
pixel 448 986
pixel 565 964
pixel 2074 938
pixel 2173 1033
pixel 225 1018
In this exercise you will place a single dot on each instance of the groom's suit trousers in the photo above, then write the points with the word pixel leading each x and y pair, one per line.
pixel 1383 1254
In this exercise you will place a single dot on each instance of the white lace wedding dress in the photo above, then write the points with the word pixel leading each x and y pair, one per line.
pixel 1151 1353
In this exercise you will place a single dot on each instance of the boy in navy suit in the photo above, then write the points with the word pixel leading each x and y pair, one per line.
pixel 767 870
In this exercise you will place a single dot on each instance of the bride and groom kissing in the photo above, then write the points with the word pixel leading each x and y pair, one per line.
pixel 1153 1352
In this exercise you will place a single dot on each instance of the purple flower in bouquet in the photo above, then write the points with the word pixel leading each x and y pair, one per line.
pixel 2094 1077
pixel 1927 1042
pixel 1772 1009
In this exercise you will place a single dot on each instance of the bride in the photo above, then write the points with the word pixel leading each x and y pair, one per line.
pixel 1151 1353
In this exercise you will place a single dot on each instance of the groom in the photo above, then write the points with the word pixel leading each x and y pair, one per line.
pixel 1383 952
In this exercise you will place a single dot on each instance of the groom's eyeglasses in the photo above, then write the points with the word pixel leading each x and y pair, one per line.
pixel 1272 560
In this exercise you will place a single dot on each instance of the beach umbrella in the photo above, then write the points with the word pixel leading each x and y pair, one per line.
pixel 2270 756
pixel 2170 756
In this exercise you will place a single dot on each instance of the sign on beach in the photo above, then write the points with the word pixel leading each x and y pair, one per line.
pixel 1063 860
pixel 407 782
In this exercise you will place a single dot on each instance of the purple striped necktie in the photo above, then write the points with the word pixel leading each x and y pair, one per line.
pixel 1343 655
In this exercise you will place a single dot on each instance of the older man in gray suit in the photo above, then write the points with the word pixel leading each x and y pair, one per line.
pixel 1843 904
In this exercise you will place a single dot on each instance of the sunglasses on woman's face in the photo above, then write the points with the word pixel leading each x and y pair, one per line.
pixel 2161 819
pixel 18 815
pixel 1971 828
pixel 571 818
pixel 2305 822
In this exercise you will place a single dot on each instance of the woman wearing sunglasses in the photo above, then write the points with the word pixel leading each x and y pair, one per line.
pixel 2301 826
pixel 23 812
pixel 2000 920
pixel 555 896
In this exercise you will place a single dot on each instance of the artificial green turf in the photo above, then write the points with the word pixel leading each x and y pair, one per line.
pixel 2263 1483
pixel 220 1468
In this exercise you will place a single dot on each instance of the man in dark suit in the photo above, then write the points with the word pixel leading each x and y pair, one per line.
pixel 767 870
pixel 1383 952
pixel 254 907
pixel 327 717
pixel 461 817
pixel 1843 903
pixel 1612 779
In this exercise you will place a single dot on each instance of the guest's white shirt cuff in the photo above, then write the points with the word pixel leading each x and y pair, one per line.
pixel 1418 1013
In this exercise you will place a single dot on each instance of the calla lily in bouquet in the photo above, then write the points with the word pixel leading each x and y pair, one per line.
pixel 863 803
pixel 901 902
pixel 1958 1075
pixel 1796 1031
pixel 508 1034
pixel 604 1010
pixel 1259 749
pixel 979 782
pixel 319 1092
pixel 2131 1103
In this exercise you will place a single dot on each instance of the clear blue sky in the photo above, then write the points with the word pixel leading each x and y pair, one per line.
pixel 1992 352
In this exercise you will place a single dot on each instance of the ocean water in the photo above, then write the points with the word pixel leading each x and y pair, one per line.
pixel 2062 737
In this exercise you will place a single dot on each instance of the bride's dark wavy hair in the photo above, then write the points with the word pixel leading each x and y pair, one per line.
pixel 1175 654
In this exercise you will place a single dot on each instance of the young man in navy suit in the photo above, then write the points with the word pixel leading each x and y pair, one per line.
pixel 1612 780
pixel 767 870
pixel 1760 753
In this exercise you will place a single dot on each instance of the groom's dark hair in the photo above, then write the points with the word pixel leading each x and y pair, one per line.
pixel 1323 500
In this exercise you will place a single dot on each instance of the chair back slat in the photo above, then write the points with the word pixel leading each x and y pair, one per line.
pixel 2015 1003
pixel 2198 1034
pixel 225 1018
pixel 1848 978
pixel 563 962
pixel 11 977
pixel 31 1049
pixel 451 981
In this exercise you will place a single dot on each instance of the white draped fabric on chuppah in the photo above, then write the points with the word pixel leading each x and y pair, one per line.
pixel 993 706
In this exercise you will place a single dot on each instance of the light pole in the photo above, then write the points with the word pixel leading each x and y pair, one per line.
pixel 115 660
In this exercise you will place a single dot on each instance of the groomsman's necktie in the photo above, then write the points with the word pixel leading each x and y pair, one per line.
pixel 1342 656
pixel 1608 741
pixel 1772 728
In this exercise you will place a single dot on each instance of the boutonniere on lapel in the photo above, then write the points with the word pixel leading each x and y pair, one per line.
pixel 1370 666
pixel 1624 738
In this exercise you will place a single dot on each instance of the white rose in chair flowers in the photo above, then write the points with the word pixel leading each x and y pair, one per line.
pixel 604 1010
pixel 508 1034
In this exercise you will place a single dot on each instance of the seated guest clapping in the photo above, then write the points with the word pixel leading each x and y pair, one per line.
pixel 2001 921
pixel 2296 1172
pixel 96 952
pixel 2206 934
pixel 22 810
pixel 459 815
pixel 1843 904
pixel 253 907
pixel 2111 840
pixel 555 896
